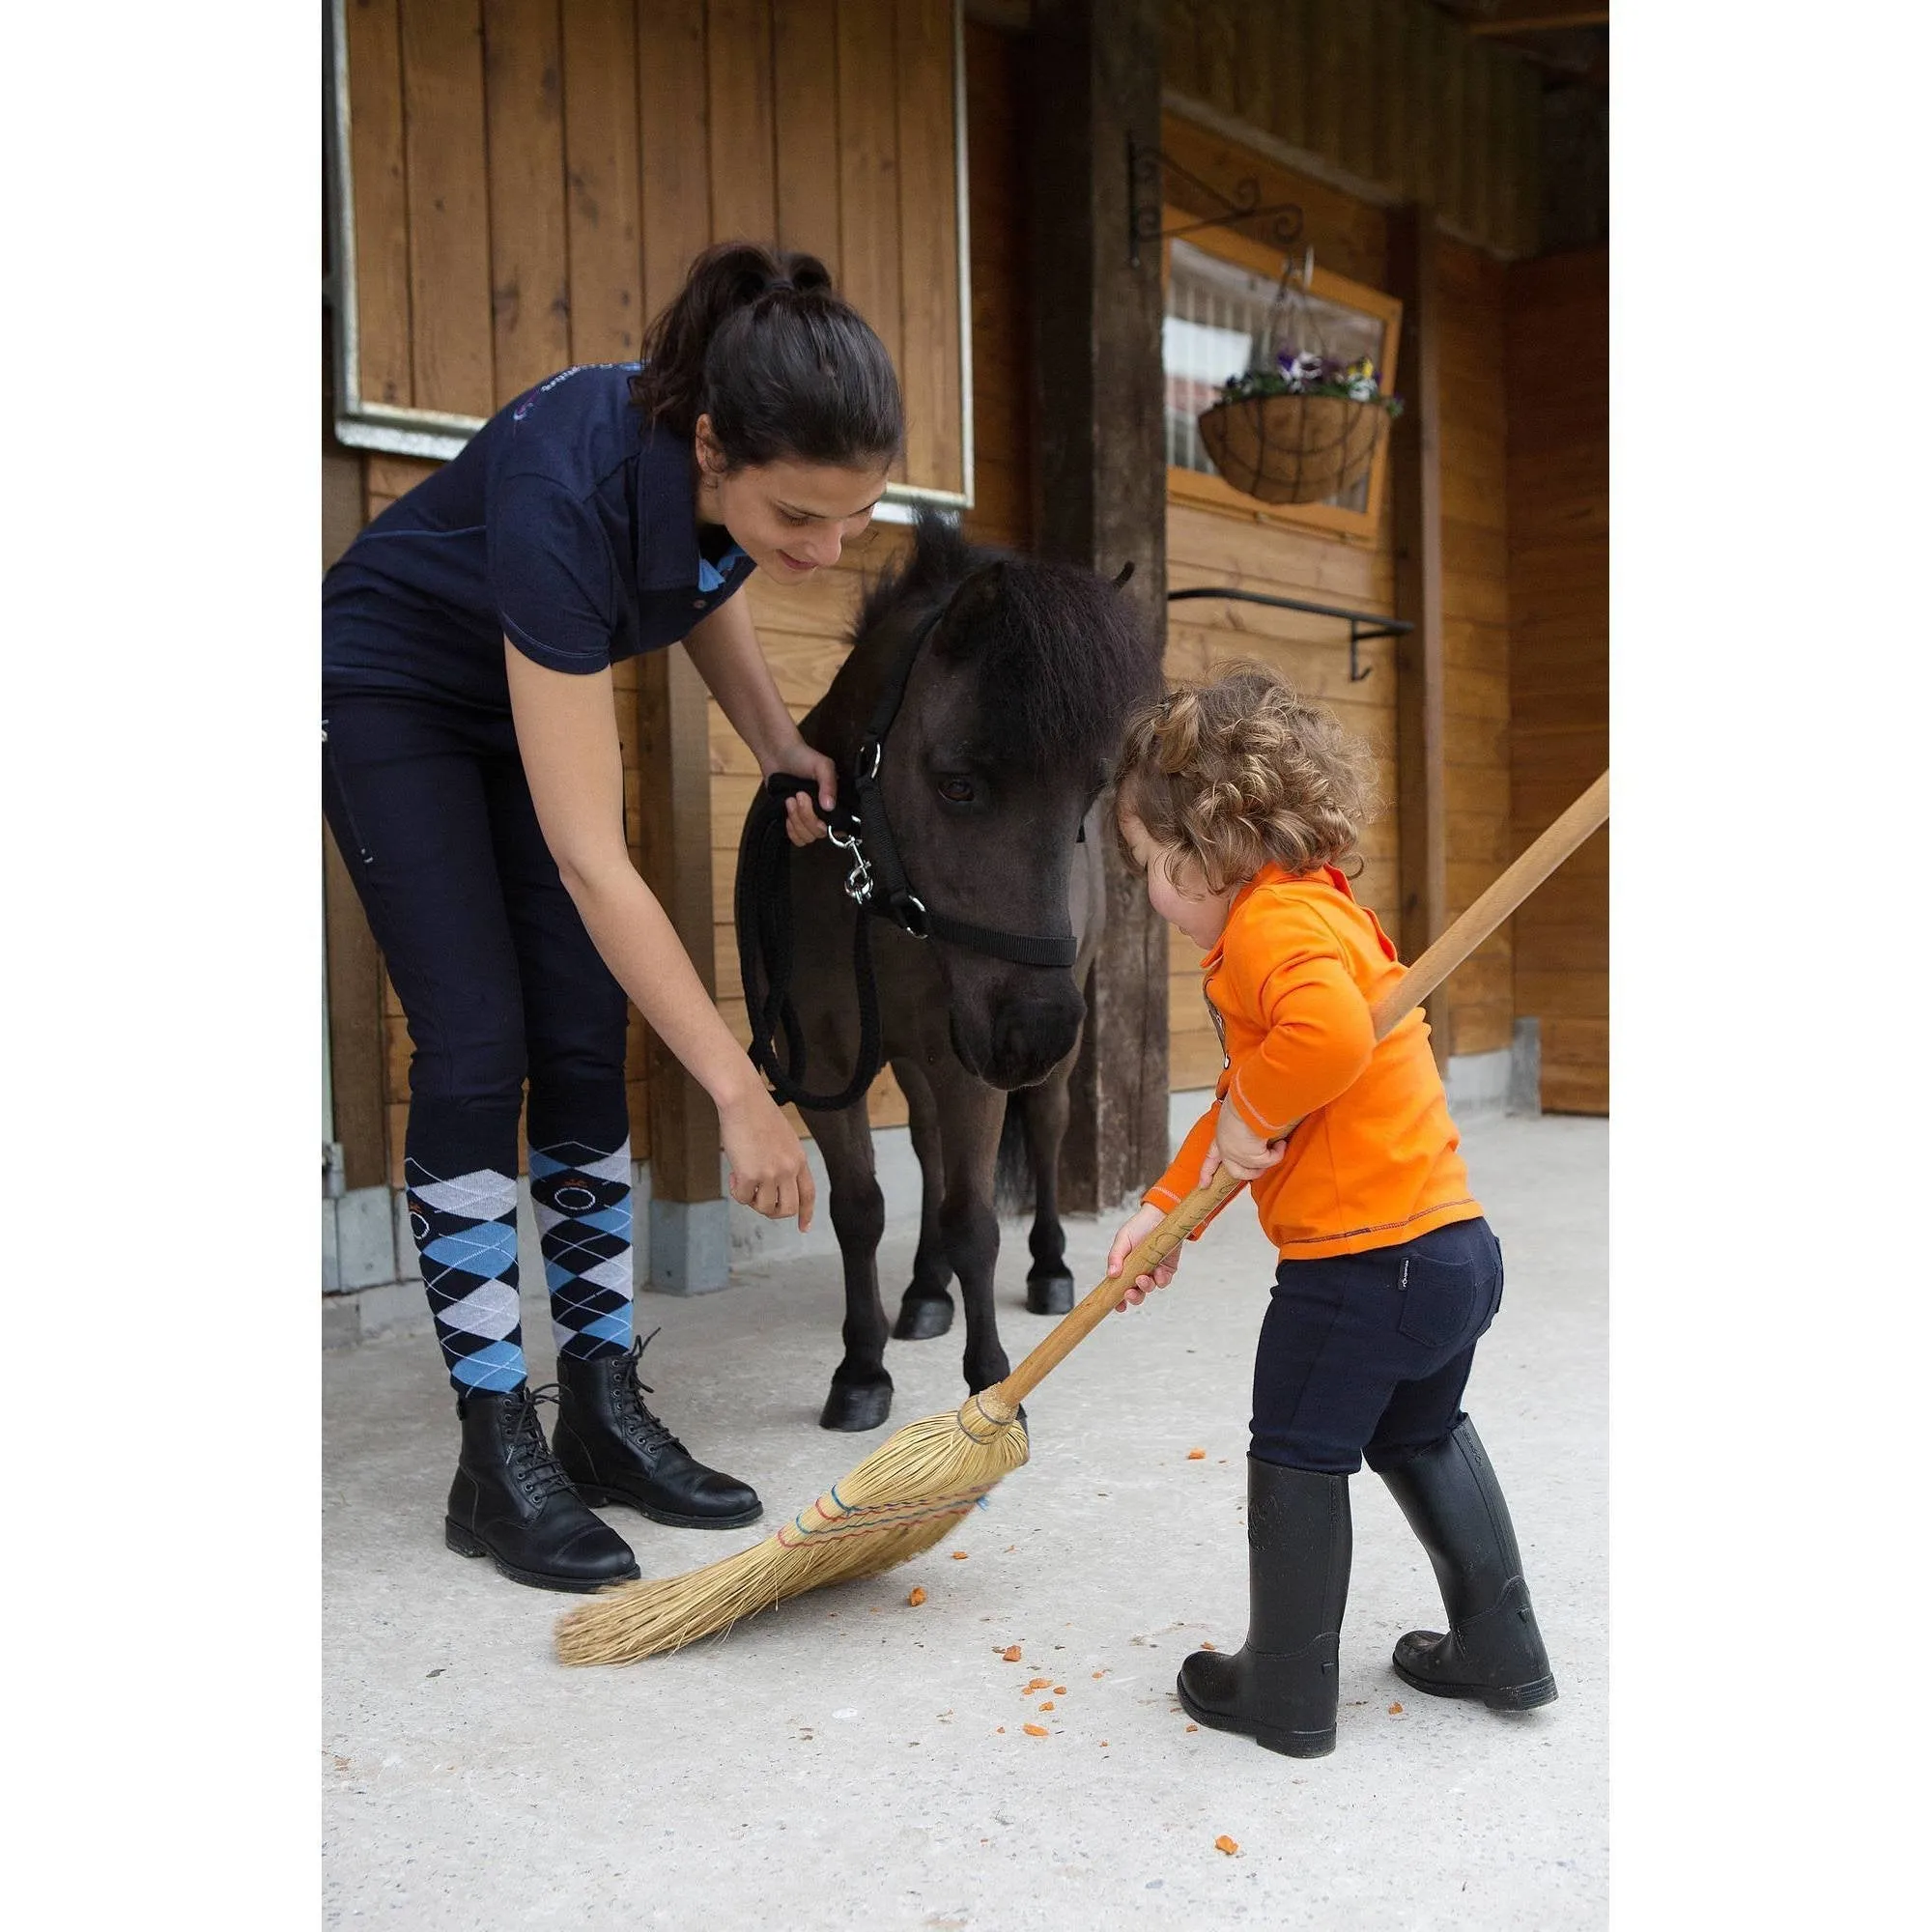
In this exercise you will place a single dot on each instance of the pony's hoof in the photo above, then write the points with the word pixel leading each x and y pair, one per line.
pixel 922 1317
pixel 856 1405
pixel 1049 1292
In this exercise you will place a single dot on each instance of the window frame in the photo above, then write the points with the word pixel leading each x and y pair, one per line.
pixel 1202 491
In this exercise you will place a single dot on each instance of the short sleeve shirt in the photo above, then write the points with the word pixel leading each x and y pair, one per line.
pixel 563 524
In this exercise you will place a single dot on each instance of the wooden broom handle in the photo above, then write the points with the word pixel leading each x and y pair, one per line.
pixel 1464 934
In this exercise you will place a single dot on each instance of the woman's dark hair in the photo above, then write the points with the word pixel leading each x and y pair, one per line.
pixel 760 343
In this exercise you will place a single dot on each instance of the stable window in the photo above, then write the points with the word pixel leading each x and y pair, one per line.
pixel 1219 290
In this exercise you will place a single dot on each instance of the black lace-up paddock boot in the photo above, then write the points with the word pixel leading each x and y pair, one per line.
pixel 1281 1686
pixel 1493 1649
pixel 616 1450
pixel 512 1503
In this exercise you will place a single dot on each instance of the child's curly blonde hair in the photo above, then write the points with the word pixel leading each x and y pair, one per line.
pixel 1244 770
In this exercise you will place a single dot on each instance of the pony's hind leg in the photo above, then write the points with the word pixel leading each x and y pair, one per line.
pixel 1044 1110
pixel 860 1396
pixel 927 1308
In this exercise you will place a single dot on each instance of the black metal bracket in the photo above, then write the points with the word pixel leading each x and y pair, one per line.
pixel 1364 626
pixel 1147 172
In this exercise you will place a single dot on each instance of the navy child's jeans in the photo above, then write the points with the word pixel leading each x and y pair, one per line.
pixel 1367 1355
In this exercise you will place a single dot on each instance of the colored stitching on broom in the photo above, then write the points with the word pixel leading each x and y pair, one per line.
pixel 869 1520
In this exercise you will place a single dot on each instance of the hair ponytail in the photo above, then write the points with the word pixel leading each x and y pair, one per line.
pixel 760 343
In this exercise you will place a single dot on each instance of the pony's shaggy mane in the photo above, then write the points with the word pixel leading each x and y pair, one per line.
pixel 1060 655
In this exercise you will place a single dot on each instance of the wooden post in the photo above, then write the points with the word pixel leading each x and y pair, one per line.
pixel 1415 477
pixel 354 1026
pixel 352 965
pixel 689 1228
pixel 1102 500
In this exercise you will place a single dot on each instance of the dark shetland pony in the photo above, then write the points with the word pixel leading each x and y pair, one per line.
pixel 1002 742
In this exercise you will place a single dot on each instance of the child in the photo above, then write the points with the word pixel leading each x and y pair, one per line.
pixel 1237 801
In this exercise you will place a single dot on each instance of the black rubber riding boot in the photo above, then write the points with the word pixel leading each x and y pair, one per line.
pixel 616 1451
pixel 1281 1686
pixel 1493 1649
pixel 512 1503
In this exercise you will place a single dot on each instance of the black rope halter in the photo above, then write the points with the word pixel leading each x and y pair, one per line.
pixel 876 883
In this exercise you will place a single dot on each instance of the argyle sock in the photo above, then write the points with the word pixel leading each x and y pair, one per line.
pixel 466 1230
pixel 583 1201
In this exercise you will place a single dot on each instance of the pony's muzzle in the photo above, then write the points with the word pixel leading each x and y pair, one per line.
pixel 1023 1037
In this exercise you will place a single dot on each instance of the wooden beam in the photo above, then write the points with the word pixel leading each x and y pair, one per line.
pixel 1535 17
pixel 674 767
pixel 1094 69
pixel 1415 478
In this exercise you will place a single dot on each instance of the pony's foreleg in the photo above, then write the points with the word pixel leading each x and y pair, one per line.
pixel 969 1225
pixel 1049 1280
pixel 927 1308
pixel 860 1396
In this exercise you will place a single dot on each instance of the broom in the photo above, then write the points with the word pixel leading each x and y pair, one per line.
pixel 902 1499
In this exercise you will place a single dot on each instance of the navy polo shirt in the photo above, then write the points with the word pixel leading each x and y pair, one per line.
pixel 561 525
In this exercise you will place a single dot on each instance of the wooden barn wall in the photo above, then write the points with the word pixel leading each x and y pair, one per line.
pixel 805 630
pixel 532 178
pixel 1387 95
pixel 1204 547
pixel 1559 553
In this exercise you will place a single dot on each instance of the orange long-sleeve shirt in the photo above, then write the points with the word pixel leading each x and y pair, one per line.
pixel 1375 1159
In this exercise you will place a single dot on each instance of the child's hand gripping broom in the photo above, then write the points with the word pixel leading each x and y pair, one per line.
pixel 927 1475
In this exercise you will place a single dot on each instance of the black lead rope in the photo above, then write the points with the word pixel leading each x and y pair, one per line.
pixel 876 883
pixel 763 907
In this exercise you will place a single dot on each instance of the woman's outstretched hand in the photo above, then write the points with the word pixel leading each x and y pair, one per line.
pixel 1133 1233
pixel 769 1169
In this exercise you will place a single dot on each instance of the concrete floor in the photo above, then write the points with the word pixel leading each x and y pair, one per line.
pixel 841 1762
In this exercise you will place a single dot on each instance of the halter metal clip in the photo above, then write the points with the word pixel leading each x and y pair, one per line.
pixel 858 880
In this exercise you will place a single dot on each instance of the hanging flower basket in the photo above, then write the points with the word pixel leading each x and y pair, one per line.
pixel 1290 449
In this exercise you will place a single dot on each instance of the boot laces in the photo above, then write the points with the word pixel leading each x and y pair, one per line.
pixel 533 1461
pixel 640 1424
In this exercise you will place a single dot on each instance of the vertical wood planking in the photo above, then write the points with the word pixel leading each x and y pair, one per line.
pixel 1476 215
pixel 1559 655
pixel 805 110
pixel 1419 66
pixel 1101 492
pixel 1449 87
pixel 600 140
pixel 868 169
pixel 1358 106
pixel 1391 39
pixel 357 1081
pixel 1002 509
pixel 928 222
pixel 1290 72
pixel 373 65
pixel 1416 487
pixel 1217 50
pixel 449 211
pixel 674 145
pixel 674 826
pixel 1180 58
pixel 1323 50
pixel 744 196
pixel 530 293
pixel 1256 26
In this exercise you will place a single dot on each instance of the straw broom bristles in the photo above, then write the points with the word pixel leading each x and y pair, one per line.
pixel 898 1503
pixel 900 1499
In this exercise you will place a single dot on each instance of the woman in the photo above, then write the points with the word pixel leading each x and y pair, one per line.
pixel 473 779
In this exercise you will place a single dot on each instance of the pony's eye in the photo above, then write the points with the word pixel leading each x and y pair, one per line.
pixel 956 791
